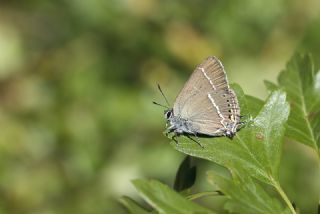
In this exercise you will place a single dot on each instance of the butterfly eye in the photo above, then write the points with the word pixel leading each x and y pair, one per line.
pixel 168 114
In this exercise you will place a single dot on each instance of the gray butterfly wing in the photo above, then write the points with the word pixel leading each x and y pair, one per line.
pixel 203 100
pixel 221 114
pixel 213 113
pixel 207 77
pixel 202 115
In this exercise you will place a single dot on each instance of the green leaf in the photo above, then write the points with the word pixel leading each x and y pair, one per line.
pixel 245 196
pixel 270 86
pixel 302 85
pixel 132 206
pixel 165 200
pixel 249 105
pixel 256 148
pixel 204 194
pixel 186 175
pixel 253 106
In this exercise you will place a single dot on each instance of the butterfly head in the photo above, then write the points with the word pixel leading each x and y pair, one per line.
pixel 176 124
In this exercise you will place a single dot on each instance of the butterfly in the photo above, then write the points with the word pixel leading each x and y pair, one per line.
pixel 206 105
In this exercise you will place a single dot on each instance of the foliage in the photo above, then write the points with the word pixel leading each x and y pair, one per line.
pixel 253 157
pixel 302 85
pixel 132 206
pixel 165 200
pixel 186 175
pixel 77 79
pixel 246 196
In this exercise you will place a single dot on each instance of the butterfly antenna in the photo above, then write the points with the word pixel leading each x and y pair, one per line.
pixel 163 95
pixel 158 104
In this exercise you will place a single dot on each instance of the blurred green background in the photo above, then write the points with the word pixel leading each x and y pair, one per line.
pixel 77 81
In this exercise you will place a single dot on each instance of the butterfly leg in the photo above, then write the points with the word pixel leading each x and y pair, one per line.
pixel 173 135
pixel 174 139
pixel 197 141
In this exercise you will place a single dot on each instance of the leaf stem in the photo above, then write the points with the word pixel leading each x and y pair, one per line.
pixel 284 197
pixel 203 194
